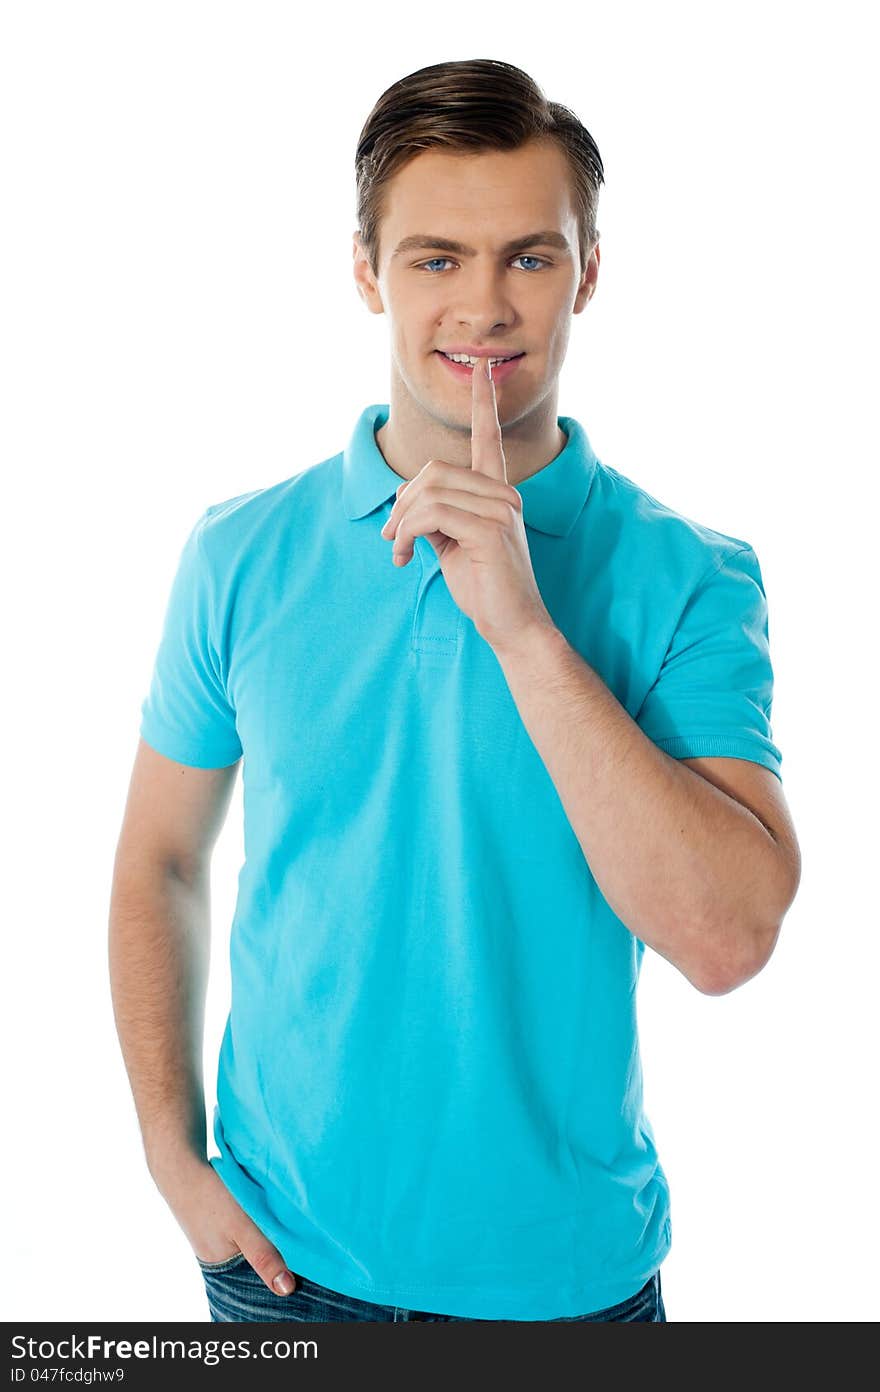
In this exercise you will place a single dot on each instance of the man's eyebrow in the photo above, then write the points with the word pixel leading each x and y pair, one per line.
pixel 420 242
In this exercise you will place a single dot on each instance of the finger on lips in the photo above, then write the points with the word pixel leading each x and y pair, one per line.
pixel 487 451
pixel 487 462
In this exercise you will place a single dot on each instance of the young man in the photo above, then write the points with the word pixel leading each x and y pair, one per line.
pixel 504 720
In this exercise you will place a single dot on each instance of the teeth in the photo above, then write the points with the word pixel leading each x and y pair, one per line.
pixel 463 358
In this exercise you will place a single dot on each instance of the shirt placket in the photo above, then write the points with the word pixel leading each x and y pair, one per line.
pixel 437 619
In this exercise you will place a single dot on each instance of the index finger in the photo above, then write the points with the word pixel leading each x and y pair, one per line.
pixel 487 450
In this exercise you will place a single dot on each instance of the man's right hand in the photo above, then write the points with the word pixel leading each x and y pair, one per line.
pixel 217 1226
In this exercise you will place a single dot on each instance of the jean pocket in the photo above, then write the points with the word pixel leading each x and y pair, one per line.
pixel 225 1265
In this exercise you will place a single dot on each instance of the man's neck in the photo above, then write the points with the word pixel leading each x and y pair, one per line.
pixel 408 439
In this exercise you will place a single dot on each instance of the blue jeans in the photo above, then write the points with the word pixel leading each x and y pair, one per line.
pixel 236 1292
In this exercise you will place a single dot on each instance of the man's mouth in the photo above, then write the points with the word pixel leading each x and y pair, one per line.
pixel 465 361
pixel 463 366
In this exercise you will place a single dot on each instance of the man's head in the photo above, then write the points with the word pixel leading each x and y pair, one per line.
pixel 472 153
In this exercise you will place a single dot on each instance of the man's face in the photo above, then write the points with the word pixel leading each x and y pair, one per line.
pixel 512 299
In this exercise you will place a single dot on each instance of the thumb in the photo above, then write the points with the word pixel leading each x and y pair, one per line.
pixel 269 1265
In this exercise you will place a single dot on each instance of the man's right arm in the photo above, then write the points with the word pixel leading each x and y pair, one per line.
pixel 159 958
pixel 160 947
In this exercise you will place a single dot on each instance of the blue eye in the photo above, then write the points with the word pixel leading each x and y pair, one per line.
pixel 524 256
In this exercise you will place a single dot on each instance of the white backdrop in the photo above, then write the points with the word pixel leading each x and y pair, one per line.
pixel 180 324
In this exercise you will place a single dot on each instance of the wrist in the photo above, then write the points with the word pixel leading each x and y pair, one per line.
pixel 174 1165
pixel 532 642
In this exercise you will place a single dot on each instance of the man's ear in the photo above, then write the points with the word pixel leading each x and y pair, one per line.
pixel 587 284
pixel 364 278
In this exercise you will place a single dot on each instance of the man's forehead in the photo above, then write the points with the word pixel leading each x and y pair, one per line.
pixel 446 202
pixel 534 172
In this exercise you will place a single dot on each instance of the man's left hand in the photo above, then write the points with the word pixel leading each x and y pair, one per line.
pixel 473 519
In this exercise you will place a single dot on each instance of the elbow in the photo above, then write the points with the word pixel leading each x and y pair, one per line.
pixel 753 947
pixel 720 977
pixel 721 984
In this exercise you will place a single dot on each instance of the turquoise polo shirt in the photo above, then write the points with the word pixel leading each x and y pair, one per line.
pixel 429 1089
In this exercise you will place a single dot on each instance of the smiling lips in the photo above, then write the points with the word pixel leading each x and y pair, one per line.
pixel 464 370
pixel 462 354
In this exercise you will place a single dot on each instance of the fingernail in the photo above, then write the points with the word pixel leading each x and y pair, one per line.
pixel 284 1283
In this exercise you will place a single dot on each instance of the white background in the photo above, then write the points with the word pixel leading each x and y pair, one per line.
pixel 180 324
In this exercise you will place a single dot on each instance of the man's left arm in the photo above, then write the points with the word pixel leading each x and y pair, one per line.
pixel 687 868
pixel 691 870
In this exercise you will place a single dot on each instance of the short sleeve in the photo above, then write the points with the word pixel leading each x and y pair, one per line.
pixel 187 715
pixel 714 692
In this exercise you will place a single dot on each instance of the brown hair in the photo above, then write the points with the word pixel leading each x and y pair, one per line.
pixel 471 105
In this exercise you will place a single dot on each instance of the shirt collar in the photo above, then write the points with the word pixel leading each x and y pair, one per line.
pixel 553 498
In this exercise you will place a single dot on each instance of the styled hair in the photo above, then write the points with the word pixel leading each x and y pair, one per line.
pixel 467 106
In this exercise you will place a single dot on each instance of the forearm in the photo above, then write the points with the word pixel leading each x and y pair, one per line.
pixel 159 955
pixel 686 868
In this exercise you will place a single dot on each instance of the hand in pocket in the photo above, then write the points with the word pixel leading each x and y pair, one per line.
pixel 218 1228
